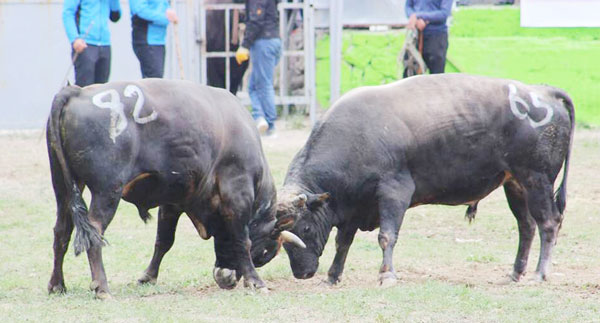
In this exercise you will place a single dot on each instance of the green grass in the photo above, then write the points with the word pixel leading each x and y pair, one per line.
pixel 449 270
pixel 486 42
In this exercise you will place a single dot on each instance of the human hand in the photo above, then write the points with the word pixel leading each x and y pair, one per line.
pixel 79 45
pixel 172 15
pixel 412 22
pixel 421 24
pixel 242 54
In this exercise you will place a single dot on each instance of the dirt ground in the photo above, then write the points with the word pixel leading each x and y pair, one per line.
pixel 24 176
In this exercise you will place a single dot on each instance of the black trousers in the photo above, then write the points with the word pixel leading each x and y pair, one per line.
pixel 92 65
pixel 152 59
pixel 435 47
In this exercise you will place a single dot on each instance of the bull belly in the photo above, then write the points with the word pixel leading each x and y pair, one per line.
pixel 459 191
pixel 149 190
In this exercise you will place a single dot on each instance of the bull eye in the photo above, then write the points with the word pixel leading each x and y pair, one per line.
pixel 306 229
pixel 265 252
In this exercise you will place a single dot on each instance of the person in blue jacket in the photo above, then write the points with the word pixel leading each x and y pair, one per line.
pixel 149 21
pixel 429 17
pixel 86 25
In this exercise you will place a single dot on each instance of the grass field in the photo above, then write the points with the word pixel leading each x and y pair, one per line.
pixel 487 42
pixel 449 270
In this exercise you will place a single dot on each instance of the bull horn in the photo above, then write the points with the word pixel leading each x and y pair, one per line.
pixel 289 237
pixel 299 200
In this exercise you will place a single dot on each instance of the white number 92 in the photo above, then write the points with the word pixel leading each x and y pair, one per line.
pixel 118 120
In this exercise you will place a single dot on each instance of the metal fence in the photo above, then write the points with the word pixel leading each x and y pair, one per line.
pixel 35 53
pixel 287 11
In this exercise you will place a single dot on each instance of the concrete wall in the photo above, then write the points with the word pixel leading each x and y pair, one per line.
pixel 35 57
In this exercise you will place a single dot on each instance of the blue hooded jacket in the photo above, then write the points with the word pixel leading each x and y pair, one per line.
pixel 435 12
pixel 149 21
pixel 88 19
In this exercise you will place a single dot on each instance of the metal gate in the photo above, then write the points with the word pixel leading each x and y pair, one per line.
pixel 288 11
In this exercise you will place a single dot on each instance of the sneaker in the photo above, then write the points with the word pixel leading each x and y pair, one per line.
pixel 270 133
pixel 261 125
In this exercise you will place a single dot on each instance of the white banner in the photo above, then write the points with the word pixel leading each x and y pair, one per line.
pixel 560 13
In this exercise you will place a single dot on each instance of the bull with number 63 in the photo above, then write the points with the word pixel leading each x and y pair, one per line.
pixel 440 139
pixel 178 145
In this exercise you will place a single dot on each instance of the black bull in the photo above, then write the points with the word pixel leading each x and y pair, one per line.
pixel 445 139
pixel 183 147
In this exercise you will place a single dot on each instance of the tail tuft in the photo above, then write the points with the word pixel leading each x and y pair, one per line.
pixel 86 235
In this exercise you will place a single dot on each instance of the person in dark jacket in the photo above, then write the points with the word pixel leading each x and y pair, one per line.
pixel 429 17
pixel 149 21
pixel 263 45
pixel 86 25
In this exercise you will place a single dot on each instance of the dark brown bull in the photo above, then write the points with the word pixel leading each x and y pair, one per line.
pixel 441 139
pixel 174 144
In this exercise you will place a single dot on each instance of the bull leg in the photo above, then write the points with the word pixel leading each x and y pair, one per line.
pixel 102 211
pixel 62 229
pixel 62 235
pixel 234 261
pixel 168 216
pixel 242 246
pixel 343 240
pixel 224 272
pixel 544 211
pixel 518 205
pixel 237 196
pixel 394 200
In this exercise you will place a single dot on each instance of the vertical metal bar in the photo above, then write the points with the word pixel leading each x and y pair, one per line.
pixel 283 61
pixel 335 48
pixel 193 47
pixel 309 55
pixel 227 50
pixel 203 61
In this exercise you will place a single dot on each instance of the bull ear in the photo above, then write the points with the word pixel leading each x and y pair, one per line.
pixel 317 200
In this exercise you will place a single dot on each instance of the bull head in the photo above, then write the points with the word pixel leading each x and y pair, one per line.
pixel 289 212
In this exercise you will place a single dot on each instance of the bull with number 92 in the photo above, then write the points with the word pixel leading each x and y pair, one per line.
pixel 180 146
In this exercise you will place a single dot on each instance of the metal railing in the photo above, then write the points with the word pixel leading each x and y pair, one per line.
pixel 282 97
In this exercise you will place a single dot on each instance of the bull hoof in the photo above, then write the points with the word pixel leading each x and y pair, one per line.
pixel 102 293
pixel 387 279
pixel 254 283
pixel 515 277
pixel 146 279
pixel 103 296
pixel 57 289
pixel 225 278
pixel 539 277
pixel 332 281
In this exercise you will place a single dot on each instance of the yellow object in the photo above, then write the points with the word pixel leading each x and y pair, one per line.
pixel 242 55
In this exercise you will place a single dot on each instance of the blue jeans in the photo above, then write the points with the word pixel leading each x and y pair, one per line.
pixel 264 55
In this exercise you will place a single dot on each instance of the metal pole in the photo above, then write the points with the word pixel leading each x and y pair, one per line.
pixel 283 61
pixel 192 46
pixel 335 48
pixel 227 50
pixel 310 89
pixel 203 61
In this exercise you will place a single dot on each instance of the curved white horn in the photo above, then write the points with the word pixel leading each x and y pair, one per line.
pixel 289 237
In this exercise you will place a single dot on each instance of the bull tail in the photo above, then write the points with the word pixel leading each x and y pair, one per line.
pixel 86 235
pixel 560 196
